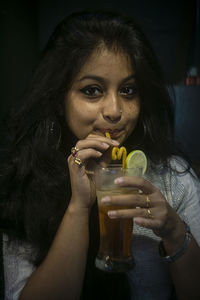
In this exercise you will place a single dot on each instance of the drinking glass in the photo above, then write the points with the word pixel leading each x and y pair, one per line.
pixel 114 253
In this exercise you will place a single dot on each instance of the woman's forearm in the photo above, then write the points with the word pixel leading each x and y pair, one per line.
pixel 61 274
pixel 185 270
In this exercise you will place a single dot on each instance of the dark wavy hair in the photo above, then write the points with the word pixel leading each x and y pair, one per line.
pixel 35 189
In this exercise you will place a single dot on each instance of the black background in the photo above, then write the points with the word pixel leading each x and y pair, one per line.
pixel 171 26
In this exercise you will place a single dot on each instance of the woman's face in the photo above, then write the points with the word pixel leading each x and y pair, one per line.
pixel 103 97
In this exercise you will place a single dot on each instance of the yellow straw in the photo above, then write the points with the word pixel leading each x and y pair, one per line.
pixel 108 135
pixel 118 153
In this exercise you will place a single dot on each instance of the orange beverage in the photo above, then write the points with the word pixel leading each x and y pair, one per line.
pixel 114 253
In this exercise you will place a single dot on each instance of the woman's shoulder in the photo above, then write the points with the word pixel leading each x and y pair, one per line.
pixel 178 164
pixel 17 257
pixel 181 188
pixel 17 248
pixel 173 166
pixel 182 172
pixel 176 179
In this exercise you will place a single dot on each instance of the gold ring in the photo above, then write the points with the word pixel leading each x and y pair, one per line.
pixel 148 201
pixel 78 161
pixel 74 151
pixel 149 214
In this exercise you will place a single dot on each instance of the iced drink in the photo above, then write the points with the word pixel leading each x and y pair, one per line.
pixel 114 253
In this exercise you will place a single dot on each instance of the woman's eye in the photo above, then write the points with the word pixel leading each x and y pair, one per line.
pixel 92 91
pixel 128 91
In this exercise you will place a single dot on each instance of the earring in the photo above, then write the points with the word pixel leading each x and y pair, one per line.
pixel 52 127
pixel 53 133
pixel 120 111
pixel 144 128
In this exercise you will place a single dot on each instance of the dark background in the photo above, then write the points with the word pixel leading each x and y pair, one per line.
pixel 173 27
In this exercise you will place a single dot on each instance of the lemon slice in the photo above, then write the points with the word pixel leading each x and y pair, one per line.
pixel 137 159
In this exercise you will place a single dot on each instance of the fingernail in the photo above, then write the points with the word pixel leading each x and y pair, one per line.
pixel 106 146
pixel 105 199
pixel 99 153
pixel 118 180
pixel 112 214
pixel 116 143
pixel 137 220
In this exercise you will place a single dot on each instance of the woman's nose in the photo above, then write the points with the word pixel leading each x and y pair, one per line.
pixel 112 110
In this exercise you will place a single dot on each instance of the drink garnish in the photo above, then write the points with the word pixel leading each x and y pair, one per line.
pixel 135 159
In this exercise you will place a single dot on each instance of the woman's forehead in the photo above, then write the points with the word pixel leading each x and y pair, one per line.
pixel 105 61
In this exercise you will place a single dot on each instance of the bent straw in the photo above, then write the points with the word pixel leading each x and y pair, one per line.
pixel 118 153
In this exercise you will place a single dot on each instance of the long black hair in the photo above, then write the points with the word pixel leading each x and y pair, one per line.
pixel 35 188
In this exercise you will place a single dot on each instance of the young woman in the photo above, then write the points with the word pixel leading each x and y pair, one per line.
pixel 97 74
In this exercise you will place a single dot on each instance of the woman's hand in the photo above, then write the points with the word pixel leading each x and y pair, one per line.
pixel 149 208
pixel 93 149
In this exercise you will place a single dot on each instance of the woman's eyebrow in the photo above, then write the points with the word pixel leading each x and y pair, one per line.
pixel 102 80
pixel 128 78
pixel 94 77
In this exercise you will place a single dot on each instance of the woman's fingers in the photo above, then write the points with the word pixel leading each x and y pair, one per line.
pixel 148 223
pixel 148 209
pixel 128 213
pixel 92 148
pixel 103 139
pixel 145 217
pixel 128 200
pixel 137 182
pixel 96 142
pixel 88 153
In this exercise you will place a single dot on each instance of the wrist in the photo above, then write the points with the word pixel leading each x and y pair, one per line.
pixel 77 209
pixel 180 251
pixel 175 238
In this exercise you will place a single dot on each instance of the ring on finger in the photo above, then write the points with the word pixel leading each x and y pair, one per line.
pixel 148 202
pixel 149 214
pixel 74 151
pixel 78 161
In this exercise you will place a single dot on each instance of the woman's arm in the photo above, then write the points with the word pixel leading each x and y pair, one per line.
pixel 185 270
pixel 167 224
pixel 60 276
